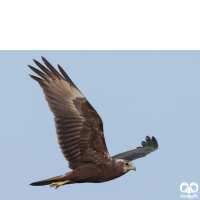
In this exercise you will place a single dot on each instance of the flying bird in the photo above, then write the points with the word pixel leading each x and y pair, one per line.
pixel 80 133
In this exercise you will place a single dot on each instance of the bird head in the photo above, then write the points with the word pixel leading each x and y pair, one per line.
pixel 125 164
pixel 128 166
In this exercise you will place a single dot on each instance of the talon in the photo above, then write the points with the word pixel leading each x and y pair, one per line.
pixel 58 184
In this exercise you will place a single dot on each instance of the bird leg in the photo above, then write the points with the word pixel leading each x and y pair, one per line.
pixel 58 184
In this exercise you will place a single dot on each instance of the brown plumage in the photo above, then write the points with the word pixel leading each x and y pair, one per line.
pixel 79 131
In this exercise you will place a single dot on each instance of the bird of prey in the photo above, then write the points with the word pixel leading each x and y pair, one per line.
pixel 80 133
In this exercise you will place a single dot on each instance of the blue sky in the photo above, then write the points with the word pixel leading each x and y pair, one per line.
pixel 136 93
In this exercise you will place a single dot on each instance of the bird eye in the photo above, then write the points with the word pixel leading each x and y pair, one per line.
pixel 126 163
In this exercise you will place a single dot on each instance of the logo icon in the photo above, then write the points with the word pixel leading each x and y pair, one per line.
pixel 189 189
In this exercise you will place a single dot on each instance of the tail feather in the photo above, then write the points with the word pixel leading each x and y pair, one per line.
pixel 47 181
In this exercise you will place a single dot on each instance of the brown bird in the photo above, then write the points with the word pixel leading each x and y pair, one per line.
pixel 80 133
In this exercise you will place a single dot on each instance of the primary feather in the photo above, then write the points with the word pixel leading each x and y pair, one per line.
pixel 147 147
pixel 79 128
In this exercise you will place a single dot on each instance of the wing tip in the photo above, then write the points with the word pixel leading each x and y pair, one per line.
pixel 150 142
pixel 43 58
pixel 36 78
pixel 36 62
pixel 155 142
pixel 32 68
pixel 32 76
pixel 59 67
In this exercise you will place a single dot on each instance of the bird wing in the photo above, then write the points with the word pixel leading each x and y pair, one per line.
pixel 79 128
pixel 147 147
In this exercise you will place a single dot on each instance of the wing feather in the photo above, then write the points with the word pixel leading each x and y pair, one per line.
pixel 148 146
pixel 79 128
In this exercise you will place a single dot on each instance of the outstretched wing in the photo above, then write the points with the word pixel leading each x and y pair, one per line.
pixel 147 147
pixel 79 128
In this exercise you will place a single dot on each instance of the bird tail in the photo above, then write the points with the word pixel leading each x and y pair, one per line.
pixel 48 181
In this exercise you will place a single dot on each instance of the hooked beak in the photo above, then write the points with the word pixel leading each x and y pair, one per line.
pixel 132 167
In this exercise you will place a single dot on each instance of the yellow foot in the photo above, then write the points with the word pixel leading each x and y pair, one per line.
pixel 58 184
